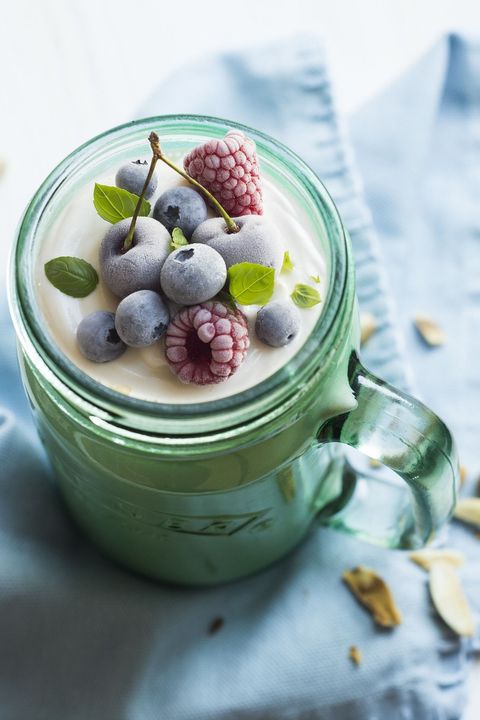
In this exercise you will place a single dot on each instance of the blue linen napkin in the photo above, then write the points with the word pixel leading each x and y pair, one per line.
pixel 82 638
pixel 423 186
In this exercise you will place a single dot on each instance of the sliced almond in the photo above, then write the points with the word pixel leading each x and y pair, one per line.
pixel 368 325
pixel 374 463
pixel 373 592
pixel 425 558
pixel 355 654
pixel 449 599
pixel 463 475
pixel 468 510
pixel 429 331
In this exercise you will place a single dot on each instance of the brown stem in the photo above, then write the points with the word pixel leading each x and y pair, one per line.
pixel 157 155
pixel 154 144
pixel 232 226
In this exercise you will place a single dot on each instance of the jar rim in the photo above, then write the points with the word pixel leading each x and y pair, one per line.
pixel 145 414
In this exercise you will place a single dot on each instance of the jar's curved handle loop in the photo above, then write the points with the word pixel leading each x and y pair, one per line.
pixel 411 440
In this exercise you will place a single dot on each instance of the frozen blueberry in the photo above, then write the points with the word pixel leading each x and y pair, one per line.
pixel 193 274
pixel 132 176
pixel 141 318
pixel 181 207
pixel 139 267
pixel 277 323
pixel 255 242
pixel 98 339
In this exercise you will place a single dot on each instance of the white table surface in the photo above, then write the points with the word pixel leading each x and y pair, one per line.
pixel 69 69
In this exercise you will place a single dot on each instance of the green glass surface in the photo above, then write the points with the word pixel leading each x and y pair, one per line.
pixel 206 493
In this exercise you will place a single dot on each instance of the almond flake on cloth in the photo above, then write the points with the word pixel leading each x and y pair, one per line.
pixel 368 325
pixel 449 598
pixel 355 654
pixel 425 558
pixel 468 510
pixel 373 592
pixel 429 331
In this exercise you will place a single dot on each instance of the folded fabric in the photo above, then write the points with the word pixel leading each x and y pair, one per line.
pixel 82 638
pixel 417 146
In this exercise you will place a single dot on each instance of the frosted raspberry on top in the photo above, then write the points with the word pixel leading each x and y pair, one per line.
pixel 228 168
pixel 205 344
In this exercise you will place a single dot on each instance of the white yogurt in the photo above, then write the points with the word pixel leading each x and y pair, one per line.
pixel 144 373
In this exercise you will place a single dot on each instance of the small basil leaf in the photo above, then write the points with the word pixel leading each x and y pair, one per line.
pixel 72 276
pixel 315 278
pixel 251 284
pixel 114 204
pixel 178 238
pixel 287 265
pixel 305 296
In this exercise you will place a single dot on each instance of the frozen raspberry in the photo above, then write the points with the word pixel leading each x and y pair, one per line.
pixel 206 343
pixel 228 168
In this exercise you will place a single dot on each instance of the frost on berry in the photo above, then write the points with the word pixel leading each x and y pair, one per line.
pixel 228 168
pixel 205 344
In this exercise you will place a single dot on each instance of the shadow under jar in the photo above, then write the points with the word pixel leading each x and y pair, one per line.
pixel 209 492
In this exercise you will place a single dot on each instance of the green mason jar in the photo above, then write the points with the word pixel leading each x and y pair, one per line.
pixel 205 493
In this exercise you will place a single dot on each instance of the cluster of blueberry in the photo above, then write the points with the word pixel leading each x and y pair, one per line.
pixel 207 338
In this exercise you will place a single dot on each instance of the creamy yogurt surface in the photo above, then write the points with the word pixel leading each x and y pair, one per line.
pixel 144 373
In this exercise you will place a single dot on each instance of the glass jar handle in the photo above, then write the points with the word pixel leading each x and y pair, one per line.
pixel 407 437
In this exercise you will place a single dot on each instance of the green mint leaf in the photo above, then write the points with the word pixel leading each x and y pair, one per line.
pixel 315 278
pixel 178 239
pixel 72 276
pixel 287 265
pixel 251 284
pixel 305 296
pixel 114 204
